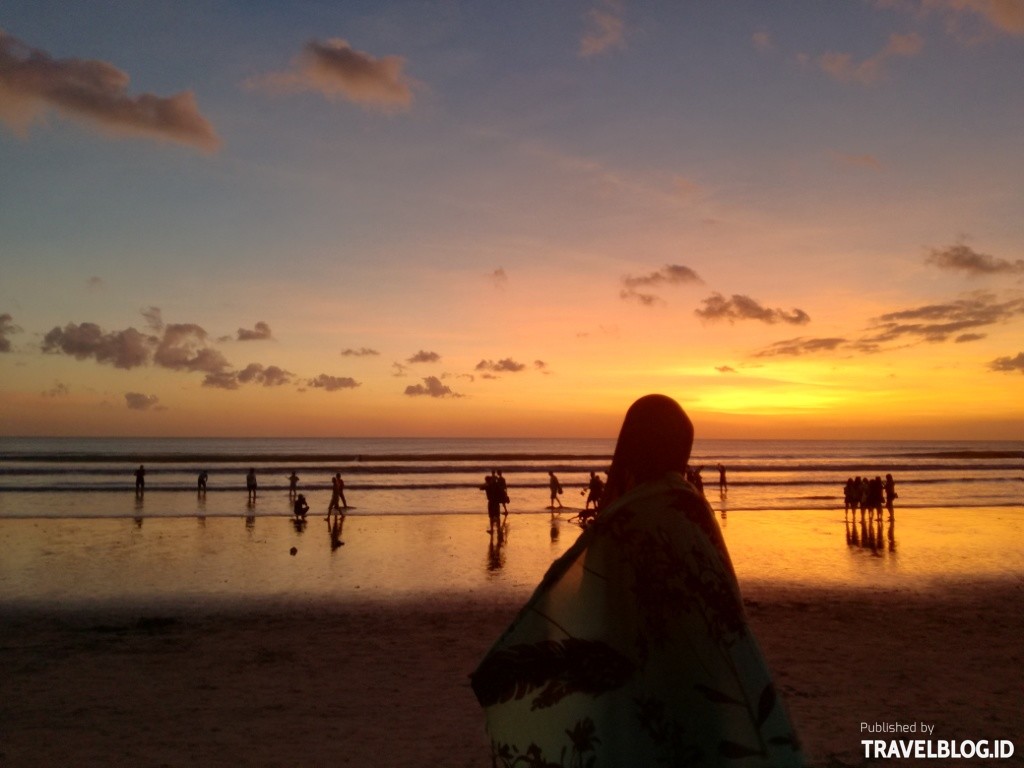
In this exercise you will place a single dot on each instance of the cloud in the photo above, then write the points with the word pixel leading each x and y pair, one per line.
pixel 739 307
pixel 154 318
pixel 541 366
pixel 1005 16
pixel 333 383
pixel 937 322
pixel 424 357
pixel 95 283
pixel 399 370
pixel 136 401
pixel 336 70
pixel 260 332
pixel 59 390
pixel 801 346
pixel 361 352
pixel 1008 364
pixel 725 369
pixel 122 349
pixel 499 278
pixel 961 258
pixel 7 327
pixel 269 376
pixel 184 348
pixel 508 365
pixel 431 387
pixel 843 67
pixel 670 274
pixel 94 92
pixel 605 30
pixel 762 40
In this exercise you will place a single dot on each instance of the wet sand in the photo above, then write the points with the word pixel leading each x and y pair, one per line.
pixel 207 643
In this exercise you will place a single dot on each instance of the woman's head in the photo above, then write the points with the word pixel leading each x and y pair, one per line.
pixel 656 437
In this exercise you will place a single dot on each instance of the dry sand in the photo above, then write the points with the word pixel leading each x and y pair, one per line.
pixel 386 685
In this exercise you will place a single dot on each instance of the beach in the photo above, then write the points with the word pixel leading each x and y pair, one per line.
pixel 308 667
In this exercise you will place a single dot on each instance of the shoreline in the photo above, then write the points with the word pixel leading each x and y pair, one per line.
pixel 385 683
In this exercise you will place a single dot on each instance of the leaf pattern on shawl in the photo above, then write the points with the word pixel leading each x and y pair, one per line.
pixel 559 668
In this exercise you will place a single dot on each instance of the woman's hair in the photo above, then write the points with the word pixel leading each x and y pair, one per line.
pixel 656 437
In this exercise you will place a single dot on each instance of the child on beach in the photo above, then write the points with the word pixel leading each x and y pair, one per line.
pixel 635 650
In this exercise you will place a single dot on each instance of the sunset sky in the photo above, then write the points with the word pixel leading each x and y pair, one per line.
pixel 800 219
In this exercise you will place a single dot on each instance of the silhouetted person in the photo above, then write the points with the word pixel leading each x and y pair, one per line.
pixel 293 484
pixel 300 507
pixel 250 484
pixel 635 650
pixel 890 494
pixel 556 489
pixel 140 480
pixel 493 494
pixel 502 487
pixel 595 487
pixel 201 482
pixel 723 485
pixel 337 494
pixel 849 497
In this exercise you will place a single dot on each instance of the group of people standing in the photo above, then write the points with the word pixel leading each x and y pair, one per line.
pixel 869 495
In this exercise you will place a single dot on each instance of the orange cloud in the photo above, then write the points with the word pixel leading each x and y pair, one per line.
pixel 335 69
pixel 844 68
pixel 95 92
pixel 1005 15
pixel 605 30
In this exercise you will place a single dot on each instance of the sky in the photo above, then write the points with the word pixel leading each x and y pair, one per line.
pixel 800 219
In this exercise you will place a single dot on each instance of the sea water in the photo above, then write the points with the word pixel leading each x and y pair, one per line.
pixel 73 532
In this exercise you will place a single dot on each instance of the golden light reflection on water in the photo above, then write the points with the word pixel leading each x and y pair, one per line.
pixel 197 561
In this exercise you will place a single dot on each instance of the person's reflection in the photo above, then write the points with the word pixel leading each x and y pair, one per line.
pixel 138 521
pixel 892 535
pixel 299 523
pixel 851 533
pixel 250 519
pixel 555 530
pixel 334 527
pixel 496 549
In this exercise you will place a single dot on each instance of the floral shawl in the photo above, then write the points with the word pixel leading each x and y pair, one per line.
pixel 634 650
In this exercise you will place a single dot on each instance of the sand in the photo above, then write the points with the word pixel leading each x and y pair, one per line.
pixel 385 684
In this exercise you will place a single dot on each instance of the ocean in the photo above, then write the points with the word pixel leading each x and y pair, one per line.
pixel 94 477
pixel 74 533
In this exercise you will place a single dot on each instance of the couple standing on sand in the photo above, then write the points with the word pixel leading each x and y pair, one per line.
pixel 337 494
pixel 496 489
pixel 635 649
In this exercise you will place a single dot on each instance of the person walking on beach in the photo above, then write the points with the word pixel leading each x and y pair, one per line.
pixel 556 490
pixel 337 494
pixel 250 484
pixel 201 483
pixel 723 485
pixel 635 648
pixel 595 487
pixel 293 484
pixel 140 480
pixel 502 486
pixel 493 494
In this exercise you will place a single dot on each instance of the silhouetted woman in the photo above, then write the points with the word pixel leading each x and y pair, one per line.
pixel 634 650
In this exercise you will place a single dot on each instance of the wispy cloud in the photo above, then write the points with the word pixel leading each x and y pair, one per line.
pixel 333 383
pixel 739 307
pixel 938 322
pixel 184 347
pixel 605 30
pixel 670 274
pixel 424 357
pixel 136 401
pixel 1008 364
pixel 59 389
pixel 762 40
pixel 431 387
pixel 260 332
pixel 801 346
pixel 154 318
pixel 1005 16
pixel 844 68
pixel 961 258
pixel 725 369
pixel 864 161
pixel 361 352
pixel 499 278
pixel 32 82
pixel 268 376
pixel 336 70
pixel 7 328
